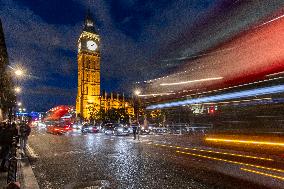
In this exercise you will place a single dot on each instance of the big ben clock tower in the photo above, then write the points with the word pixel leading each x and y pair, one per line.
pixel 88 95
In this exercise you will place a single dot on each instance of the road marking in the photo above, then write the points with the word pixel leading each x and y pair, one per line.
pixel 215 152
pixel 233 162
pixel 262 173
pixel 32 152
pixel 245 141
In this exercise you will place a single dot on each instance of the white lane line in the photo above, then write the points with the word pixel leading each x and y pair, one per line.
pixel 32 152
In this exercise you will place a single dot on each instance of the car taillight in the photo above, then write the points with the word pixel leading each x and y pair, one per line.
pixel 66 127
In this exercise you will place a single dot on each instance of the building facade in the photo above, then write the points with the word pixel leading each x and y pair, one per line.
pixel 7 94
pixel 89 99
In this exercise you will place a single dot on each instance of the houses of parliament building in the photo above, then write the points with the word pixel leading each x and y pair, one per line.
pixel 89 98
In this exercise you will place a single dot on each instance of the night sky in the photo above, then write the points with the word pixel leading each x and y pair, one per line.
pixel 141 39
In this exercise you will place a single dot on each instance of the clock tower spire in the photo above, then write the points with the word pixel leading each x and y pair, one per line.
pixel 88 95
pixel 89 25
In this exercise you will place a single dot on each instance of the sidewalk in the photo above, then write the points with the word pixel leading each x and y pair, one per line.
pixel 25 176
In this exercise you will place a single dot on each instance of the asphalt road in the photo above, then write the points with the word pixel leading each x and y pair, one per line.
pixel 172 161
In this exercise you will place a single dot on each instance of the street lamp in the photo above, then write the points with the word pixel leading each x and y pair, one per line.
pixel 19 104
pixel 137 92
pixel 19 72
pixel 18 89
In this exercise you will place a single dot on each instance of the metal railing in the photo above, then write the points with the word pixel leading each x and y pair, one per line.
pixel 13 162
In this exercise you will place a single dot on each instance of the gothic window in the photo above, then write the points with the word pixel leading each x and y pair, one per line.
pixel 85 89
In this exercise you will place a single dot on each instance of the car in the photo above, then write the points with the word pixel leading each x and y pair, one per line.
pixel 178 130
pixel 77 126
pixel 89 128
pixel 144 131
pixel 120 130
pixel 108 128
pixel 160 130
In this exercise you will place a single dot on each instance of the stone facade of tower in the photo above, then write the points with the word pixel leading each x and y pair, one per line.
pixel 89 99
pixel 88 95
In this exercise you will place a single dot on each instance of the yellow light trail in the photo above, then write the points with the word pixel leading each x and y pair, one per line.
pixel 192 81
pixel 245 141
pixel 233 162
pixel 262 173
pixel 216 152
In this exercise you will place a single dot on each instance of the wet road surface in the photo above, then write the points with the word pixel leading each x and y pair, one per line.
pixel 85 160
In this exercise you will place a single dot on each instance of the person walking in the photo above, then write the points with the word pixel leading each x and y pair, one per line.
pixel 24 131
pixel 134 128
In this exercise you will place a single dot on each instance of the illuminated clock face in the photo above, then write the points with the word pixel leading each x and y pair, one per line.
pixel 91 45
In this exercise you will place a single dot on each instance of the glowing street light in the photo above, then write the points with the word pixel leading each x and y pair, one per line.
pixel 19 72
pixel 137 92
pixel 24 109
pixel 18 89
pixel 19 104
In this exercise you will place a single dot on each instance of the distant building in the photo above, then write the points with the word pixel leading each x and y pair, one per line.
pixel 89 99
pixel 117 101
pixel 7 95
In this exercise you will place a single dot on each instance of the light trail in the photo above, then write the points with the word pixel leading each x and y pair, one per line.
pixel 191 81
pixel 233 162
pixel 155 94
pixel 278 73
pixel 227 96
pixel 244 141
pixel 262 173
pixel 236 101
pixel 215 152
pixel 271 21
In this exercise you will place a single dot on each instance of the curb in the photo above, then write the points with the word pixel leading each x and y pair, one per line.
pixel 27 177
pixel 28 180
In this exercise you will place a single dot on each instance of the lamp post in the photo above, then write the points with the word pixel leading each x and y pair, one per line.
pixel 137 92
pixel 19 73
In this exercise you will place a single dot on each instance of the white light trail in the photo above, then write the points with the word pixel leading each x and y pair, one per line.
pixel 192 81
pixel 155 94
pixel 271 20
pixel 222 97
pixel 278 73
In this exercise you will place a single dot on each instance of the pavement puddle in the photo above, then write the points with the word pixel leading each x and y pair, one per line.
pixel 99 184
pixel 114 155
pixel 68 153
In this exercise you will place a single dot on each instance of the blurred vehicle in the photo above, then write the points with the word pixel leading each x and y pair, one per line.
pixel 121 130
pixel 108 128
pixel 58 128
pixel 178 130
pixel 89 128
pixel 77 126
pixel 159 130
pixel 144 131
